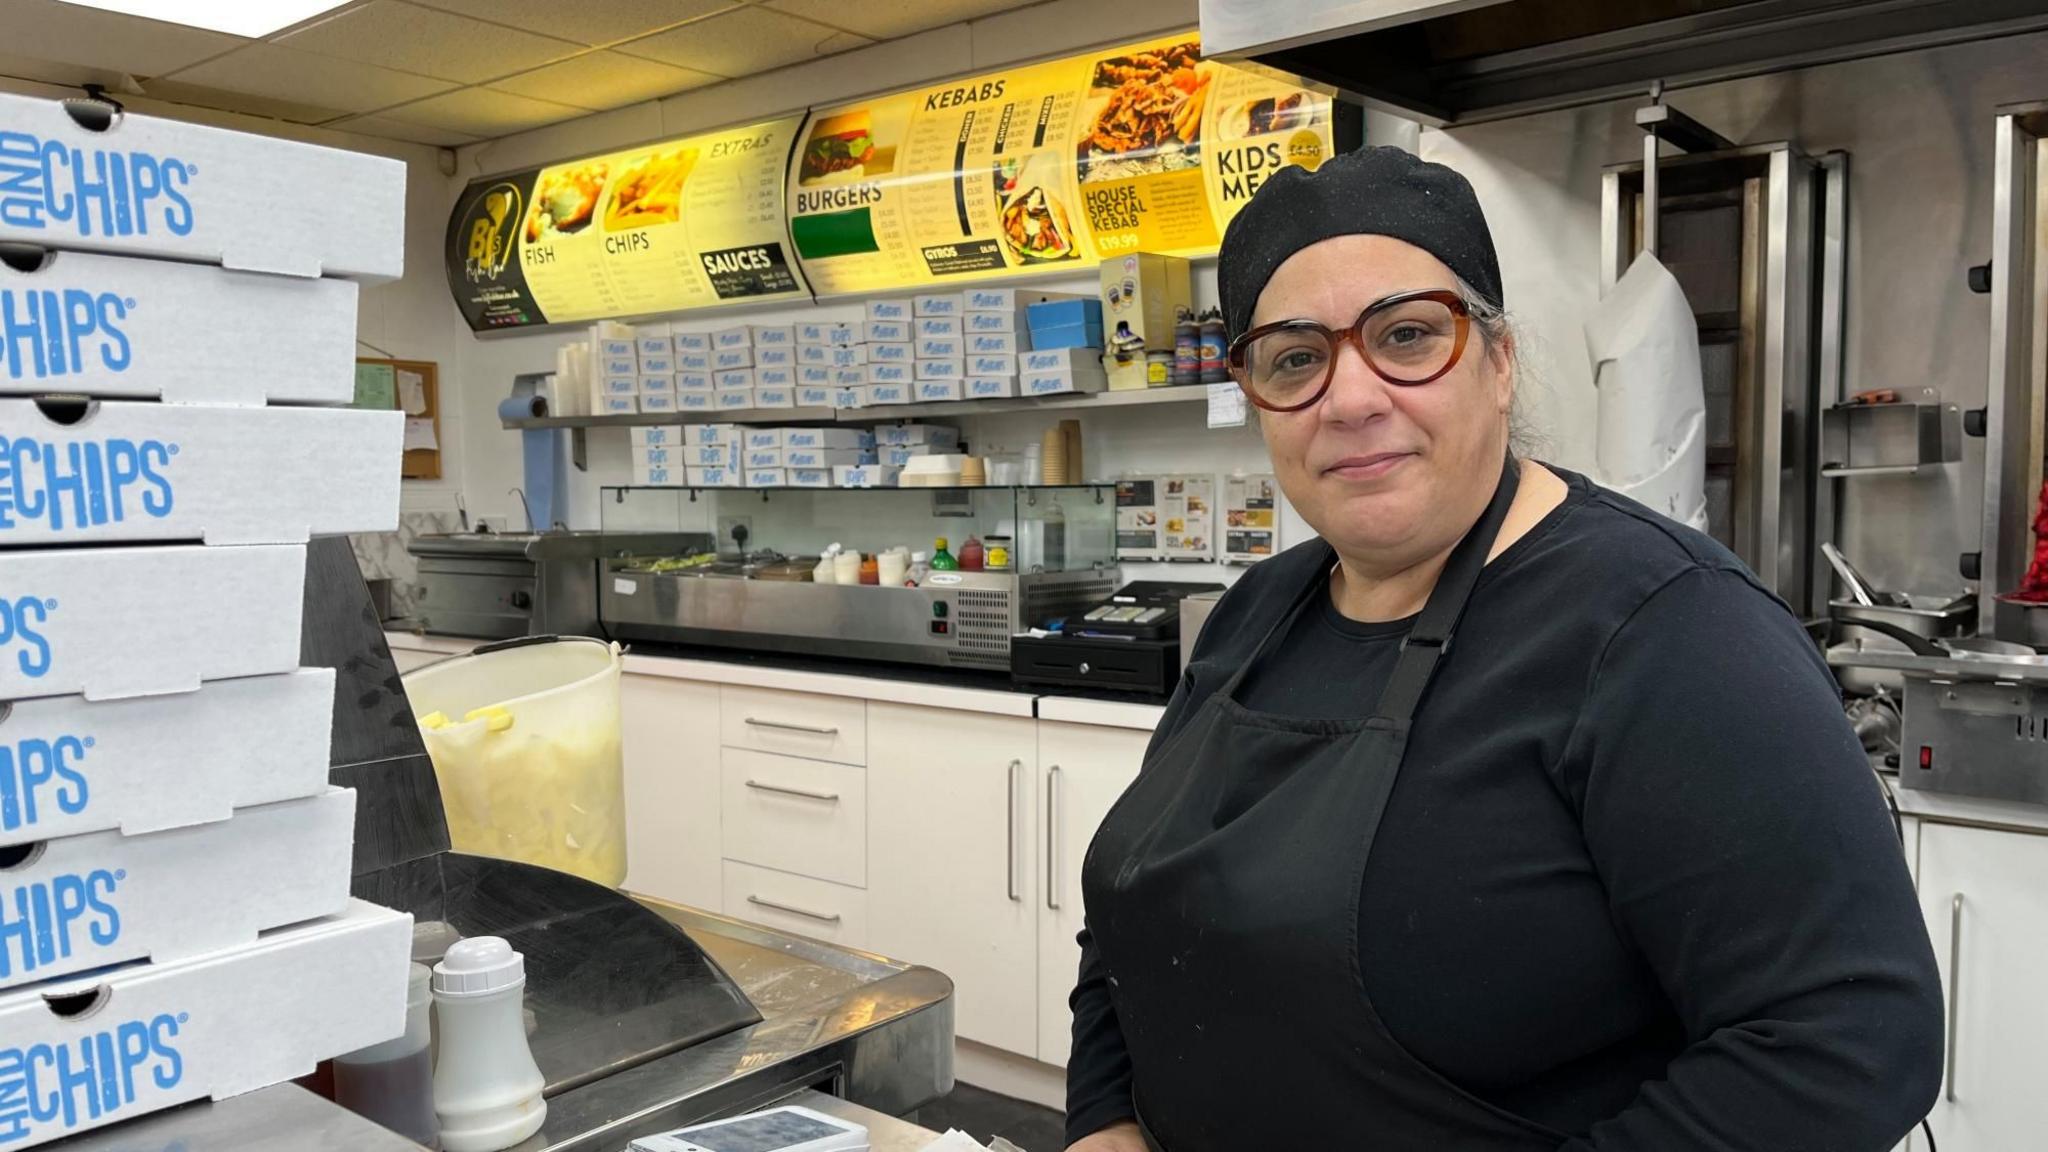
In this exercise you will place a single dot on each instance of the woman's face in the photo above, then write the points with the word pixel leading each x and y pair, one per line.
pixel 1387 473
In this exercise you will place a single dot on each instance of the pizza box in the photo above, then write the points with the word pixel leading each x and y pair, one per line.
pixel 83 902
pixel 82 1053
pixel 98 325
pixel 78 174
pixel 132 470
pixel 70 766
pixel 116 622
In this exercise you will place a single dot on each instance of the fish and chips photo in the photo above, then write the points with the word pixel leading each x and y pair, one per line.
pixel 649 190
pixel 565 200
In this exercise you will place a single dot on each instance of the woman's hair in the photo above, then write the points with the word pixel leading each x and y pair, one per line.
pixel 1499 333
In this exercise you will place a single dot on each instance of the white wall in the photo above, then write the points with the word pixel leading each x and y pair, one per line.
pixel 1918 127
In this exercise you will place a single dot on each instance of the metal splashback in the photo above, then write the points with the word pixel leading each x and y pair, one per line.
pixel 955 620
pixel 1741 232
pixel 2014 408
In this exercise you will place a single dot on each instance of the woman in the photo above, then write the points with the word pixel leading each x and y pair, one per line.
pixel 1505 815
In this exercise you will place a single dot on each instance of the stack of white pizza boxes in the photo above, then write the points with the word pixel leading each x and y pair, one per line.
pixel 177 325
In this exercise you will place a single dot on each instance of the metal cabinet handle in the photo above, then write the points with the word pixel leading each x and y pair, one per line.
pixel 1955 988
pixel 793 910
pixel 1052 838
pixel 803 792
pixel 1010 835
pixel 786 727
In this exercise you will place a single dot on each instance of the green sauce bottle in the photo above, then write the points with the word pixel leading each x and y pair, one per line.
pixel 942 560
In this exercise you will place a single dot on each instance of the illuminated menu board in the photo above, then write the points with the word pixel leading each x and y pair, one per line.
pixel 1143 147
pixel 690 223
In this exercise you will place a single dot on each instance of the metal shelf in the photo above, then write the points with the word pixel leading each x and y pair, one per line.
pixel 1845 472
pixel 1179 394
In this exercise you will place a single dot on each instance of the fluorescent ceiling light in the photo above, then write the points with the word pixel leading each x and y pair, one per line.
pixel 238 17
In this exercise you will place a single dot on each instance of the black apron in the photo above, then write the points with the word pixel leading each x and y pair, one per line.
pixel 1223 894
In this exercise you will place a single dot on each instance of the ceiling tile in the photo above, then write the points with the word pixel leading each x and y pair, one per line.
pixel 283 74
pixel 888 19
pixel 201 96
pixel 483 113
pixel 429 42
pixel 389 129
pixel 89 36
pixel 600 80
pixel 593 24
pixel 742 42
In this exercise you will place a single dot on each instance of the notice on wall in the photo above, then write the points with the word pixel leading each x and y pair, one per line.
pixel 1143 147
pixel 683 224
pixel 1166 517
pixel 1251 518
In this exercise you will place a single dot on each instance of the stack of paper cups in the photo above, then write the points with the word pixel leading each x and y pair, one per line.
pixel 1053 456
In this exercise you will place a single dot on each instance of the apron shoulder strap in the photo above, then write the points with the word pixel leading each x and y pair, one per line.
pixel 1430 637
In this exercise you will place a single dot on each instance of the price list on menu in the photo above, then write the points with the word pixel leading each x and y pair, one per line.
pixel 691 223
pixel 1052 165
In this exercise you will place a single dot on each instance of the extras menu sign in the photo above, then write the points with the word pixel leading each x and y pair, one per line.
pixel 691 223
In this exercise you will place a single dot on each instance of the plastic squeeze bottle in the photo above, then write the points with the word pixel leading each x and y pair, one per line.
pixel 486 1085
pixel 393 1083
pixel 942 560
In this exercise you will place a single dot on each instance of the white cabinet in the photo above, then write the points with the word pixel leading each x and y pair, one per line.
pixel 1083 769
pixel 951 859
pixel 809 817
pixel 799 904
pixel 670 737
pixel 1987 912
pixel 796 724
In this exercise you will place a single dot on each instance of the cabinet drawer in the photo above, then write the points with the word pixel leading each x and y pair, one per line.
pixel 803 816
pixel 796 904
pixel 796 724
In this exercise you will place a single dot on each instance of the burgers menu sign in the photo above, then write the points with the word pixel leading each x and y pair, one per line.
pixel 1145 147
pixel 691 223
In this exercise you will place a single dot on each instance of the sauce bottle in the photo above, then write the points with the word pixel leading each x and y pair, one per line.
pixel 1187 348
pixel 1215 349
pixel 942 560
pixel 870 572
pixel 972 555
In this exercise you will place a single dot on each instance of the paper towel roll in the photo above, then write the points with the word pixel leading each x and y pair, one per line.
pixel 522 407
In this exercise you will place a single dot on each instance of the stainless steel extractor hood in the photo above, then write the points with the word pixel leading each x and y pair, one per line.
pixel 1465 61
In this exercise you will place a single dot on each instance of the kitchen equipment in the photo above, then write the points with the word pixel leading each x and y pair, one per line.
pixel 1869 436
pixel 497 586
pixel 1130 641
pixel 1063 560
pixel 524 735
pixel 1859 588
pixel 1974 721
pixel 1739 226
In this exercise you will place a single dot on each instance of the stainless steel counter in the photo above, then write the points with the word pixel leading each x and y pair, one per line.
pixel 855 1026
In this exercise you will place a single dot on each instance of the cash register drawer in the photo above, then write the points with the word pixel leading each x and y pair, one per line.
pixel 1081 662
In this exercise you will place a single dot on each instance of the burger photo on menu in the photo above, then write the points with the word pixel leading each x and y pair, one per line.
pixel 837 144
pixel 1144 113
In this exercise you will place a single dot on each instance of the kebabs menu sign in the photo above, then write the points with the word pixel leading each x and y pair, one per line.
pixel 1146 147
pixel 691 223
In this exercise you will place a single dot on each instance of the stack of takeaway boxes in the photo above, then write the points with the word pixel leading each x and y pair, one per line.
pixel 176 345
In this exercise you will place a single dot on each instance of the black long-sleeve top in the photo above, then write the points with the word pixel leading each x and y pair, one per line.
pixel 1635 881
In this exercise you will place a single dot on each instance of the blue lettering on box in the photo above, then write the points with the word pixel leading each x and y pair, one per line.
pixel 82 483
pixel 21 619
pixel 61 1086
pixel 36 772
pixel 50 186
pixel 40 922
pixel 48 333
